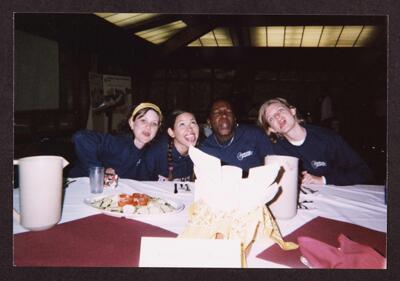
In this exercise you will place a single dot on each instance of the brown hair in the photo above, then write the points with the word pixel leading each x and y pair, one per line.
pixel 142 109
pixel 263 123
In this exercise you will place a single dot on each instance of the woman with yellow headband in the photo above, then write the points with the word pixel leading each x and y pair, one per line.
pixel 119 154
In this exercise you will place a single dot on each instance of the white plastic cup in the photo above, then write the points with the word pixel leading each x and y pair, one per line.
pixel 96 176
pixel 284 206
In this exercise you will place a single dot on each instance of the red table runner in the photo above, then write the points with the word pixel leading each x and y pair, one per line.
pixel 328 231
pixel 98 240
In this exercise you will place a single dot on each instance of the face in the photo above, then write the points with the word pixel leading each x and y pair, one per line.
pixel 145 127
pixel 222 120
pixel 185 132
pixel 280 118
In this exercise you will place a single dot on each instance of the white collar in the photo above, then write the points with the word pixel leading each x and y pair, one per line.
pixel 299 142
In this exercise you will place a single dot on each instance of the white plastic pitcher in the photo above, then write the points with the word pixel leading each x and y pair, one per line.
pixel 284 206
pixel 40 191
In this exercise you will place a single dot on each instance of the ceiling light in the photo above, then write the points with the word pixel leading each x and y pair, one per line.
pixel 293 35
pixel 330 35
pixel 311 36
pixel 208 40
pixel 258 36
pixel 125 19
pixel 162 33
pixel 349 36
pixel 275 36
pixel 367 35
pixel 223 37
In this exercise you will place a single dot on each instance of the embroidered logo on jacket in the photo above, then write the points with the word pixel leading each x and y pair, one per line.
pixel 241 155
pixel 317 164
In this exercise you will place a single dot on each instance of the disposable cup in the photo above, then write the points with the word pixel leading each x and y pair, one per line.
pixel 96 176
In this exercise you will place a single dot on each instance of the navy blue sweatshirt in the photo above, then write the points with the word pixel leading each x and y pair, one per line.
pixel 325 153
pixel 247 148
pixel 154 166
pixel 100 149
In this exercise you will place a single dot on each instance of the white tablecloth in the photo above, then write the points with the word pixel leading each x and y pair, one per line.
pixel 363 205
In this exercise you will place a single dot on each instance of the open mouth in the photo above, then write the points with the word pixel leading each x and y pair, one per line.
pixel 224 125
pixel 282 124
pixel 191 138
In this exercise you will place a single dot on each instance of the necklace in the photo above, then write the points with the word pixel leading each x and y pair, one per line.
pixel 224 145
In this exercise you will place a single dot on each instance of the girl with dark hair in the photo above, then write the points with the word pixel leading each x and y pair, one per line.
pixel 168 158
pixel 119 154
pixel 325 157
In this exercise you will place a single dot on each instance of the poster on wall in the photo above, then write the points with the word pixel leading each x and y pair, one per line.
pixel 110 101
pixel 117 92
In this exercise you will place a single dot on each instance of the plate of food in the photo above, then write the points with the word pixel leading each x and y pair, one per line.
pixel 133 205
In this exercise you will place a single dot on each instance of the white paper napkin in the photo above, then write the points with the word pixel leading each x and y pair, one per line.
pixel 224 189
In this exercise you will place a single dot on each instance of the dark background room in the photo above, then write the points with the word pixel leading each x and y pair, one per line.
pixel 309 60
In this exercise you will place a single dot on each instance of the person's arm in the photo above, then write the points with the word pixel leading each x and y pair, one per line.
pixel 264 144
pixel 307 178
pixel 348 167
pixel 88 145
pixel 147 168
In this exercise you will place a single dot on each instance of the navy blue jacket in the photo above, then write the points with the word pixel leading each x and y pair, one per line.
pixel 154 166
pixel 325 153
pixel 245 150
pixel 100 149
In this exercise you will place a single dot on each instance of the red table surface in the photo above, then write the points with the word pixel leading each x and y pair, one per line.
pixel 325 230
pixel 98 240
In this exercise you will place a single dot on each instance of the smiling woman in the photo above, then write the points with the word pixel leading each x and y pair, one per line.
pixel 168 159
pixel 121 153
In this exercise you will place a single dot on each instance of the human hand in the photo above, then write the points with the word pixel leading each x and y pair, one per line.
pixel 110 178
pixel 307 178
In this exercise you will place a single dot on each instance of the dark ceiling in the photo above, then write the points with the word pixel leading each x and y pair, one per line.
pixel 238 26
pixel 88 32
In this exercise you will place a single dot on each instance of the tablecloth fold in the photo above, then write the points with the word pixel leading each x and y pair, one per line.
pixel 98 240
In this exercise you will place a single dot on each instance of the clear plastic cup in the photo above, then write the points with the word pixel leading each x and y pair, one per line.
pixel 96 176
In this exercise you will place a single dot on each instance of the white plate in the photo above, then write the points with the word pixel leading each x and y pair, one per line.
pixel 178 206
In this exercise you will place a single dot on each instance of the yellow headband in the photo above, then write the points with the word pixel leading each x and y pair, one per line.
pixel 144 105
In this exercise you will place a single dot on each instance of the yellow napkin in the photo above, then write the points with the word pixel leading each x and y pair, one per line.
pixel 206 224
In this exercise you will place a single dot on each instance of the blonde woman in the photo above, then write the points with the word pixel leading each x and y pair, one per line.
pixel 325 157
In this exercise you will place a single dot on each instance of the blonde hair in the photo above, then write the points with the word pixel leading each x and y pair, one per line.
pixel 263 123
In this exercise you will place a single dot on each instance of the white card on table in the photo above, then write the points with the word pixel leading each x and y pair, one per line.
pixel 183 252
